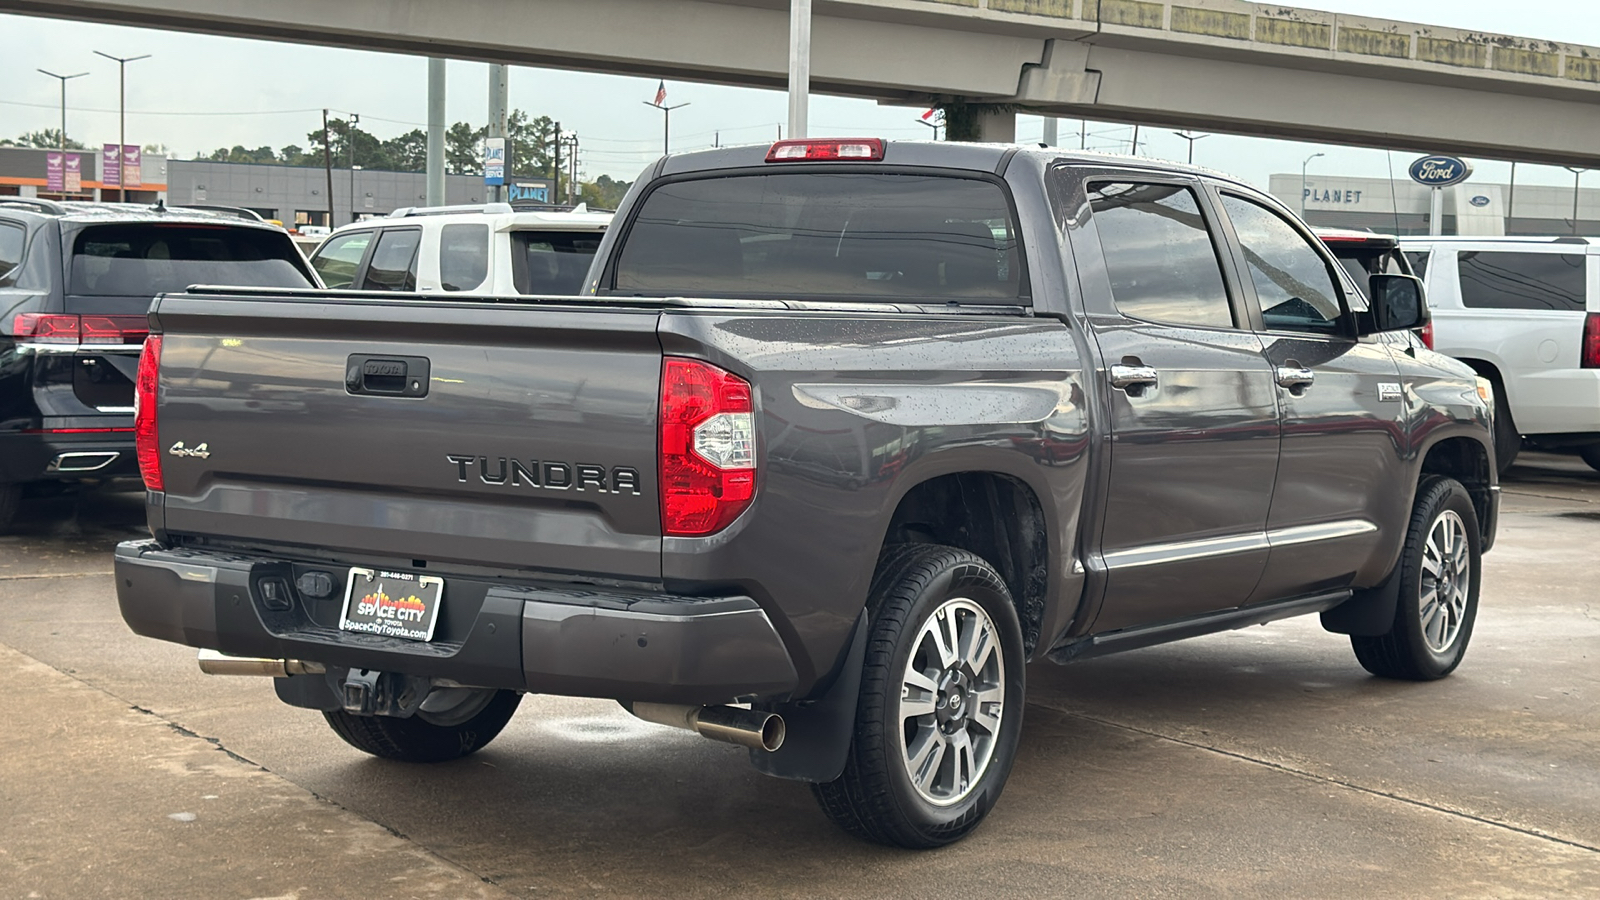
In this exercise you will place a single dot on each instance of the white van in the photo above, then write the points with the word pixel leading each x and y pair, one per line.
pixel 1524 312
pixel 489 248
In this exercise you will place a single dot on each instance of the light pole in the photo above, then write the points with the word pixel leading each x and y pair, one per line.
pixel 666 123
pixel 1191 138
pixel 933 125
pixel 799 67
pixel 350 140
pixel 64 80
pixel 1577 174
pixel 1303 181
pixel 353 170
pixel 122 117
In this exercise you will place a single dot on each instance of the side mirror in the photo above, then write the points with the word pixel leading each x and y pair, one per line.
pixel 1398 304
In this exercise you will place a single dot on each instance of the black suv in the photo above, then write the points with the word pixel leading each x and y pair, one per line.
pixel 76 280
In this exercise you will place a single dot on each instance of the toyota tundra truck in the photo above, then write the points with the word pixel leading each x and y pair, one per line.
pixel 838 438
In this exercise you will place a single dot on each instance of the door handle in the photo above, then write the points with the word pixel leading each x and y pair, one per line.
pixel 1295 377
pixel 1133 379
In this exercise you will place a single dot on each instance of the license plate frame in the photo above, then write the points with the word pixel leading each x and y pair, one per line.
pixel 394 604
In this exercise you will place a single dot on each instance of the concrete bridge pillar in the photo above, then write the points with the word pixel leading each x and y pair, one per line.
pixel 996 127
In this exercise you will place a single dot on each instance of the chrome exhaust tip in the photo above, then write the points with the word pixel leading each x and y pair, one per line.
pixel 728 724
pixel 214 663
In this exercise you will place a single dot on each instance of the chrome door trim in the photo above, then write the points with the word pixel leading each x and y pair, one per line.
pixel 1184 551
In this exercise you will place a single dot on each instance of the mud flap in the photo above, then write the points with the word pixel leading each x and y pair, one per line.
pixel 1370 612
pixel 819 730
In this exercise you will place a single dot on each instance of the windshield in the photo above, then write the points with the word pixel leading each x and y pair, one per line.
pixel 866 236
pixel 140 260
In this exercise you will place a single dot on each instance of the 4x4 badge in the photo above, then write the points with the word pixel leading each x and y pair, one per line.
pixel 199 452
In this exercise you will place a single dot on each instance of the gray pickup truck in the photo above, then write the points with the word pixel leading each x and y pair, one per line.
pixel 841 436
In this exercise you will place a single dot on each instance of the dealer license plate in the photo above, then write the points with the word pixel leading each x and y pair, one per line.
pixel 392 604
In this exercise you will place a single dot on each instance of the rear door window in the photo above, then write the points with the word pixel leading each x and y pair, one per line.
pixel 839 236
pixel 136 261
pixel 339 257
pixel 463 256
pixel 552 262
pixel 394 261
pixel 12 239
pixel 1159 254
pixel 1495 279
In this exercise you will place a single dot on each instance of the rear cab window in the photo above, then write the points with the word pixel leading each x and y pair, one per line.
pixel 119 268
pixel 394 261
pixel 871 236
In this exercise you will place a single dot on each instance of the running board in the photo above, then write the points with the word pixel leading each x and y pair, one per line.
pixel 1176 630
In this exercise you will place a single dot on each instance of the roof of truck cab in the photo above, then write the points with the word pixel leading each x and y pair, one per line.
pixel 932 154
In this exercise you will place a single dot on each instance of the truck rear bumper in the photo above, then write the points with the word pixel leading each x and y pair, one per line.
pixel 576 640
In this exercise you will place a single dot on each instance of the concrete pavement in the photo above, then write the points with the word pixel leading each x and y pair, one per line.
pixel 1259 763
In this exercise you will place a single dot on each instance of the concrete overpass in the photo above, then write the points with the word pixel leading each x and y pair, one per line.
pixel 1216 65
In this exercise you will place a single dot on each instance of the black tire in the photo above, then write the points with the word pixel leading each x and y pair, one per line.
pixel 1408 651
pixel 875 798
pixel 424 737
pixel 1591 455
pixel 10 494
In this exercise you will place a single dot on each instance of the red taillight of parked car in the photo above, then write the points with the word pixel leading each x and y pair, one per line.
pixel 61 328
pixel 708 454
pixel 1591 341
pixel 145 437
pixel 1427 335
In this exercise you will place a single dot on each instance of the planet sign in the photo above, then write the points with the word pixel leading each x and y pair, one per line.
pixel 1440 171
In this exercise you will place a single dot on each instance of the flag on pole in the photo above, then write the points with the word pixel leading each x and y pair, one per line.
pixel 661 94
pixel 928 115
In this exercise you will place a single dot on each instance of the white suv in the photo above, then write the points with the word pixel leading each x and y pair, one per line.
pixel 486 249
pixel 1524 312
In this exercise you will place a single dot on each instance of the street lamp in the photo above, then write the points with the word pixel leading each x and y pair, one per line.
pixel 353 170
pixel 1303 181
pixel 122 117
pixel 933 125
pixel 1191 138
pixel 64 80
pixel 1577 173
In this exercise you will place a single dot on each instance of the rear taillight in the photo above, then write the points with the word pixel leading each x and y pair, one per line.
pixel 708 454
pixel 1427 335
pixel 145 437
pixel 841 149
pixel 58 328
pixel 1591 342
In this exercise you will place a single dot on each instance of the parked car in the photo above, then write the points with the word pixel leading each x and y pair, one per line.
pixel 75 282
pixel 1524 312
pixel 842 435
pixel 485 249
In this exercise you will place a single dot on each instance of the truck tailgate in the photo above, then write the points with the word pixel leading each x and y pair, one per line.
pixel 509 434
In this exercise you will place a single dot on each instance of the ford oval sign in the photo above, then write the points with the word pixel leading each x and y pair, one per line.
pixel 1479 200
pixel 1440 171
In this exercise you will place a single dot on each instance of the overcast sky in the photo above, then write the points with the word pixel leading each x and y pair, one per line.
pixel 199 92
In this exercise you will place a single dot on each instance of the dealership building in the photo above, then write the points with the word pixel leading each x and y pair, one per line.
pixel 294 195
pixel 1402 206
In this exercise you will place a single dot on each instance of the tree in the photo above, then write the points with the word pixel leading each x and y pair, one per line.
pixel 532 144
pixel 407 152
pixel 462 149
pixel 604 192
pixel 48 139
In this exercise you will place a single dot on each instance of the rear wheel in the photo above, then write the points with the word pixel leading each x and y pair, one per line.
pixel 451 723
pixel 940 709
pixel 1439 581
pixel 1591 455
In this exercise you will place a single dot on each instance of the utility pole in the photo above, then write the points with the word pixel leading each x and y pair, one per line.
pixel 799 67
pixel 1083 134
pixel 1135 140
pixel 1050 135
pixel 350 143
pixel 433 193
pixel 572 180
pixel 1191 138
pixel 64 80
pixel 327 166
pixel 122 117
pixel 555 192
pixel 499 95
pixel 1511 204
